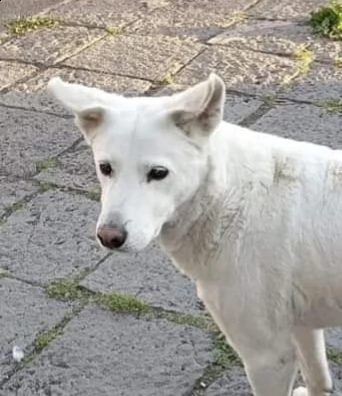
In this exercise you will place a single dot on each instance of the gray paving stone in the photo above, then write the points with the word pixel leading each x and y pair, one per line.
pixel 221 6
pixel 321 83
pixel 234 382
pixel 334 337
pixel 336 371
pixel 237 108
pixel 13 190
pixel 11 72
pixel 32 93
pixel 157 55
pixel 177 20
pixel 105 13
pixel 28 137
pixel 104 354
pixel 246 71
pixel 302 122
pixel 25 312
pixel 286 9
pixel 49 46
pixel 150 276
pixel 278 37
pixel 52 237
pixel 75 169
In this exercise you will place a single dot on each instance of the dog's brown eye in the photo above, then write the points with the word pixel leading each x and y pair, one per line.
pixel 106 169
pixel 157 173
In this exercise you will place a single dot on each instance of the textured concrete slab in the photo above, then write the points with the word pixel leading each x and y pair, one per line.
pixel 32 93
pixel 28 137
pixel 190 21
pixel 286 9
pixel 234 382
pixel 104 354
pixel 53 236
pixel 334 338
pixel 246 71
pixel 49 46
pixel 322 83
pixel 25 312
pixel 237 108
pixel 13 190
pixel 11 72
pixel 302 122
pixel 220 6
pixel 150 276
pixel 278 37
pixel 74 169
pixel 105 13
pixel 157 56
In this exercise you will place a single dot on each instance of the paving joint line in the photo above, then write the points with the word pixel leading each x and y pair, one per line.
pixel 252 5
pixel 61 65
pixel 28 109
pixel 34 354
pixel 251 119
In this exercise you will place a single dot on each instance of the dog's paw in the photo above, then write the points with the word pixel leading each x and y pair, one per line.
pixel 300 391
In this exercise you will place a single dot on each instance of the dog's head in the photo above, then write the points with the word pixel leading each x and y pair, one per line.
pixel 150 153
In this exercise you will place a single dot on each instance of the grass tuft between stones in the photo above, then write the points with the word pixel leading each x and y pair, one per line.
pixel 122 303
pixel 303 58
pixel 113 30
pixel 335 356
pixel 168 79
pixel 47 186
pixel 45 338
pixel 92 195
pixel 327 20
pixel 332 106
pixel 23 25
pixel 66 290
pixel 48 163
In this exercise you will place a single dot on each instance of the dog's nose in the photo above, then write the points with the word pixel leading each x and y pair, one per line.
pixel 111 237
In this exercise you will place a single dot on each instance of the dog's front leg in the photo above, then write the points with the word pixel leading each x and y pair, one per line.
pixel 264 343
pixel 313 361
pixel 270 358
pixel 271 371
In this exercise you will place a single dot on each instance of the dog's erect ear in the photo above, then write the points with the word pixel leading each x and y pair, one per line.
pixel 199 109
pixel 89 120
pixel 88 104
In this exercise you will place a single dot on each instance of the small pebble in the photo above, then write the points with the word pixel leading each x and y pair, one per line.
pixel 17 353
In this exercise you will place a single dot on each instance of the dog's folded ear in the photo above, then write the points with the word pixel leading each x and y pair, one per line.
pixel 88 104
pixel 199 109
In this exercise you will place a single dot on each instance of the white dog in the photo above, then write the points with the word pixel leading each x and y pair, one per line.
pixel 254 219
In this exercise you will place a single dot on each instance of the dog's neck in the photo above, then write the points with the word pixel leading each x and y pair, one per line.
pixel 195 232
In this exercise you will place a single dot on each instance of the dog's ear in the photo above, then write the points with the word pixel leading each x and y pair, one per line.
pixel 89 120
pixel 88 104
pixel 199 109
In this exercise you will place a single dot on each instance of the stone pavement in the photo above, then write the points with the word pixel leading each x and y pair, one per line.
pixel 92 324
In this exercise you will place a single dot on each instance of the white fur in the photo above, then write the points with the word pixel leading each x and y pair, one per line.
pixel 255 220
